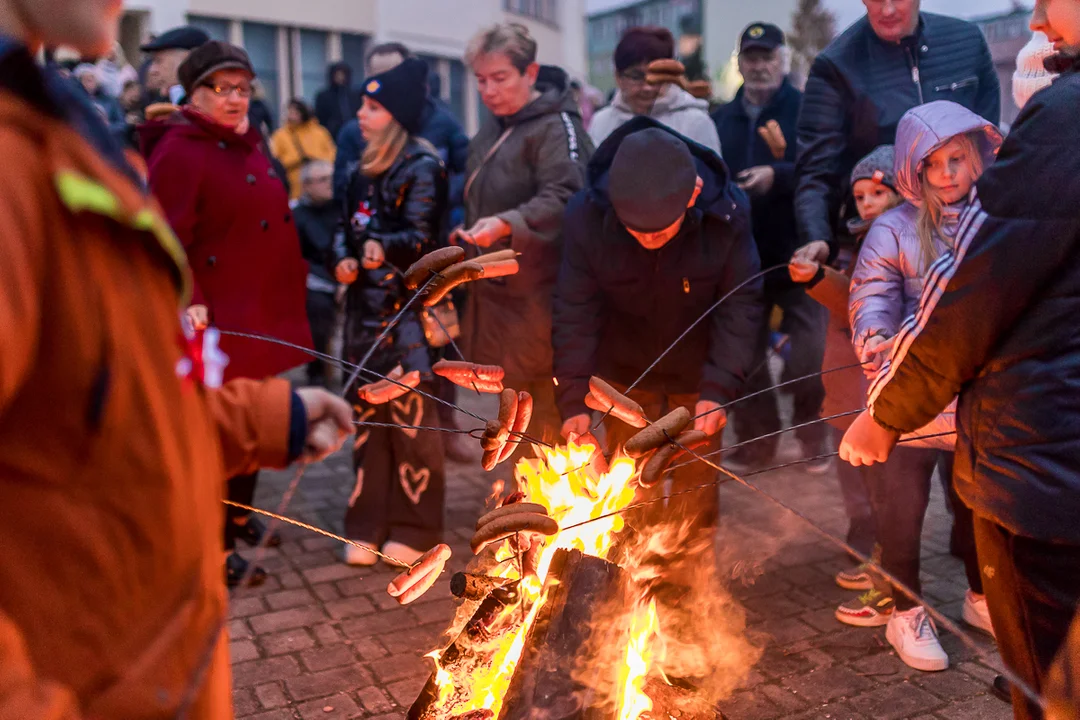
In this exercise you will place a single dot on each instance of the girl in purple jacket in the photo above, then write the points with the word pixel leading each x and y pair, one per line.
pixel 941 149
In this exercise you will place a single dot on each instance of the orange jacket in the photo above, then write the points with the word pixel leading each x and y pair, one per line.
pixel 111 467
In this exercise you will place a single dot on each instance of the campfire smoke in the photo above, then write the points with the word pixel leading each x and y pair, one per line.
pixel 600 620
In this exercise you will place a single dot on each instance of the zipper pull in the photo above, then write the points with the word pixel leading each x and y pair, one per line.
pixel 686 285
pixel 915 74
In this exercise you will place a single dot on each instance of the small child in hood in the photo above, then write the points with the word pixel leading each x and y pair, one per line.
pixel 941 150
pixel 874 188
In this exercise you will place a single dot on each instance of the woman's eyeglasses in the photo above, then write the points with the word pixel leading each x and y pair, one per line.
pixel 222 90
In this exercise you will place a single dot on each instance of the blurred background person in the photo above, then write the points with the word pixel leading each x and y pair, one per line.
pixel 166 52
pixel 259 111
pixel 300 140
pixel 317 217
pixel 757 129
pixel 668 103
pixel 107 105
pixel 337 103
pixel 524 164
pixel 114 72
pixel 231 213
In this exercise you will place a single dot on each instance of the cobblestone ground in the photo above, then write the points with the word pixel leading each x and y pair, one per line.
pixel 323 640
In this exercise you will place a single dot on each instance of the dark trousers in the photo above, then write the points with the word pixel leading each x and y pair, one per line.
pixel 900 490
pixel 804 322
pixel 855 490
pixel 321 312
pixel 1032 589
pixel 239 489
pixel 699 509
pixel 400 475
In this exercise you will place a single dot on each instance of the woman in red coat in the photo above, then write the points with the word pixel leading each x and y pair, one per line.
pixel 230 210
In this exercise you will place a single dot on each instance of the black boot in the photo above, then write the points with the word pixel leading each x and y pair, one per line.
pixel 252 532
pixel 236 567
pixel 1002 689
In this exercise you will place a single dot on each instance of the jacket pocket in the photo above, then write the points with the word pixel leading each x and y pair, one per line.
pixel 968 82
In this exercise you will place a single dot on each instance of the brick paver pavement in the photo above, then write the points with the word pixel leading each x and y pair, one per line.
pixel 323 640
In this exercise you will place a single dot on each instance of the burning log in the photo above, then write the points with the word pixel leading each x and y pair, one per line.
pixel 543 683
pixel 474 587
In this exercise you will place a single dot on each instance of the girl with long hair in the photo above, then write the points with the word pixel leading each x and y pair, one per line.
pixel 395 212
pixel 941 150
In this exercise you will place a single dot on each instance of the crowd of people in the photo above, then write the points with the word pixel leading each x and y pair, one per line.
pixel 913 270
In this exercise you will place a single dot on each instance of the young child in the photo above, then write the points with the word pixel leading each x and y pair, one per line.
pixel 395 212
pixel 941 150
pixel 874 188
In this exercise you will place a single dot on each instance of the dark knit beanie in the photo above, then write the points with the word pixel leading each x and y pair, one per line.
pixel 651 180
pixel 402 90
pixel 877 166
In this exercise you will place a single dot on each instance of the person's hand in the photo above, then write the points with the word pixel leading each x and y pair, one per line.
pixel 866 442
pixel 875 350
pixel 709 417
pixel 347 271
pixel 198 316
pixel 803 272
pixel 757 180
pixel 575 427
pixel 374 255
pixel 329 422
pixel 815 252
pixel 486 232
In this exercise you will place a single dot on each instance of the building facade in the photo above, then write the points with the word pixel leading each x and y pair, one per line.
pixel 291 43
pixel 1006 34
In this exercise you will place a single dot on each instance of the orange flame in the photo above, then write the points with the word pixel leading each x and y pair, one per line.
pixel 634 671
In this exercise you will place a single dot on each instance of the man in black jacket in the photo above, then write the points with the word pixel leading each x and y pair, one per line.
pixel 337 103
pixel 998 326
pixel 317 216
pixel 860 86
pixel 645 255
pixel 755 129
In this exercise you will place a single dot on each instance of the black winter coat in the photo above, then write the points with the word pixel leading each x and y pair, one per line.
pixel 1000 327
pixel 773 214
pixel 336 105
pixel 618 305
pixel 317 225
pixel 408 216
pixel 859 88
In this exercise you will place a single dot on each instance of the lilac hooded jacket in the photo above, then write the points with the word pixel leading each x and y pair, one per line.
pixel 889 274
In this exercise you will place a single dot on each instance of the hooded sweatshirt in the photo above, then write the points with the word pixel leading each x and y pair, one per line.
pixel 674 107
pixel 337 104
pixel 891 268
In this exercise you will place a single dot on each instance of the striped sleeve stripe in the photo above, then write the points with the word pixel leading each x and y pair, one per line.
pixel 941 272
pixel 571 136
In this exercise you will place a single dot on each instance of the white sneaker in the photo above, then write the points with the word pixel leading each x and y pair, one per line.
pixel 355 555
pixel 914 637
pixel 402 552
pixel 977 614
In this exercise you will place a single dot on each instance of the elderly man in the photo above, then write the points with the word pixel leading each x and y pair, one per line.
pixel 757 130
pixel 167 51
pixel 893 59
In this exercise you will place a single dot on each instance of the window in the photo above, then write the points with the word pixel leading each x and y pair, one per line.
pixel 353 51
pixel 312 63
pixel 544 10
pixel 458 85
pixel 261 43
pixel 216 28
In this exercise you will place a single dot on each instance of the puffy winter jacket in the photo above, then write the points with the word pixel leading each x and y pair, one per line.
pixel 618 306
pixel 891 267
pixel 674 107
pixel 294 145
pixel 859 88
pixel 526 182
pixel 407 204
pixel 773 214
pixel 998 325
